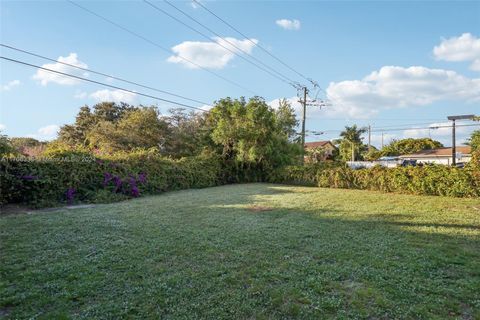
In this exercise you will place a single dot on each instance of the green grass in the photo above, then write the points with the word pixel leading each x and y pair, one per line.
pixel 319 253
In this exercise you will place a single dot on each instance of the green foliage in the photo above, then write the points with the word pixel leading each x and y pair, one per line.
pixel 410 145
pixel 28 146
pixel 189 133
pixel 71 176
pixel 428 180
pixel 6 146
pixel 351 146
pixel 474 140
pixel 252 136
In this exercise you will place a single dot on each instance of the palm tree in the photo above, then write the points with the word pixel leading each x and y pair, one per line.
pixel 353 136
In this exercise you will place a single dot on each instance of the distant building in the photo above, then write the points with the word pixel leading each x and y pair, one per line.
pixel 327 147
pixel 440 155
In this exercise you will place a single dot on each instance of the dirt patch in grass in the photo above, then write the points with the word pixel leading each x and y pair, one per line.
pixel 257 208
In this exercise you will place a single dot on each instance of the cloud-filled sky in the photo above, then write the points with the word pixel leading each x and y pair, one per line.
pixel 374 68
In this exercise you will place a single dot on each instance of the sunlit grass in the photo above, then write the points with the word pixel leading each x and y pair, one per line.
pixel 246 251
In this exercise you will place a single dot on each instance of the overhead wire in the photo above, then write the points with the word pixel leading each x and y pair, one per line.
pixel 254 43
pixel 102 83
pixel 101 73
pixel 277 74
pixel 159 46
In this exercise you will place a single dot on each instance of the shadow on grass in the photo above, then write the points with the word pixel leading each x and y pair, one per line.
pixel 203 254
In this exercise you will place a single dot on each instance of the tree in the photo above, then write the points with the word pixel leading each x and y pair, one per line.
pixel 28 146
pixel 474 140
pixel 86 119
pixel 410 145
pixel 286 120
pixel 6 146
pixel 351 143
pixel 252 134
pixel 189 132
pixel 137 128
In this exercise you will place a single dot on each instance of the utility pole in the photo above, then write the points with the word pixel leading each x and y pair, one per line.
pixel 304 114
pixel 382 139
pixel 454 147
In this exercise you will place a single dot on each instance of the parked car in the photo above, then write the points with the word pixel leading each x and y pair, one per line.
pixel 406 163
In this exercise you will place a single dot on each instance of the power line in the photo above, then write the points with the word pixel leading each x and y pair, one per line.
pixel 159 46
pixel 408 128
pixel 432 127
pixel 101 83
pixel 256 44
pixel 280 76
pixel 101 73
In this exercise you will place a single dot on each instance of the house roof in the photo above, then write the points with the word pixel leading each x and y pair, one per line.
pixel 439 152
pixel 316 144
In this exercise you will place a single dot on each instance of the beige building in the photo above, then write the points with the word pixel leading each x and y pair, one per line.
pixel 326 147
pixel 440 155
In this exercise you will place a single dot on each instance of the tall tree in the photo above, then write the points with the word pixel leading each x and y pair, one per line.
pixel 252 133
pixel 474 140
pixel 351 143
pixel 410 145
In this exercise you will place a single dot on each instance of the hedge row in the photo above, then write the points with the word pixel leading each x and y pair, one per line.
pixel 78 177
pixel 428 180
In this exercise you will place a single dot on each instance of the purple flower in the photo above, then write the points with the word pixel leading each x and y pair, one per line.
pixel 118 183
pixel 135 192
pixel 107 177
pixel 29 177
pixel 142 177
pixel 70 194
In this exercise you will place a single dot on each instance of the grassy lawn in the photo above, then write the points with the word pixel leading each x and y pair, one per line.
pixel 246 251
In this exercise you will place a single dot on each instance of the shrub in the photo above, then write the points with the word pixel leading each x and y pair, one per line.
pixel 427 180
pixel 75 176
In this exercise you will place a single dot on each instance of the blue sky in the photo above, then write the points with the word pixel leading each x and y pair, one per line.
pixel 390 64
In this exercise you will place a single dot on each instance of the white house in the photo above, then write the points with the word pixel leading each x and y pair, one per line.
pixel 440 155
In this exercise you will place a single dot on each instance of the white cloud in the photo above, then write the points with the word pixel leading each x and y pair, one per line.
pixel 2 127
pixel 440 129
pixel 114 96
pixel 209 54
pixel 194 4
pixel 46 133
pixel 395 87
pixel 463 48
pixel 80 95
pixel 289 24
pixel 44 77
pixel 10 85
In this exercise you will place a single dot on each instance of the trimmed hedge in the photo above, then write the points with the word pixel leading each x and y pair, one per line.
pixel 78 177
pixel 427 180
pixel 73 176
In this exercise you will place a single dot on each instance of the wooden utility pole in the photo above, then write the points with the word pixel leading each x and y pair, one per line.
pixel 304 114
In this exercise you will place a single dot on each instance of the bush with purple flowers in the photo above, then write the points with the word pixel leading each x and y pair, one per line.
pixel 47 183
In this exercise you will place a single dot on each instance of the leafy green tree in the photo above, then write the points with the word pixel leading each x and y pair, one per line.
pixel 286 120
pixel 351 145
pixel 140 128
pixel 410 145
pixel 87 119
pixel 252 134
pixel 6 146
pixel 474 140
pixel 189 132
